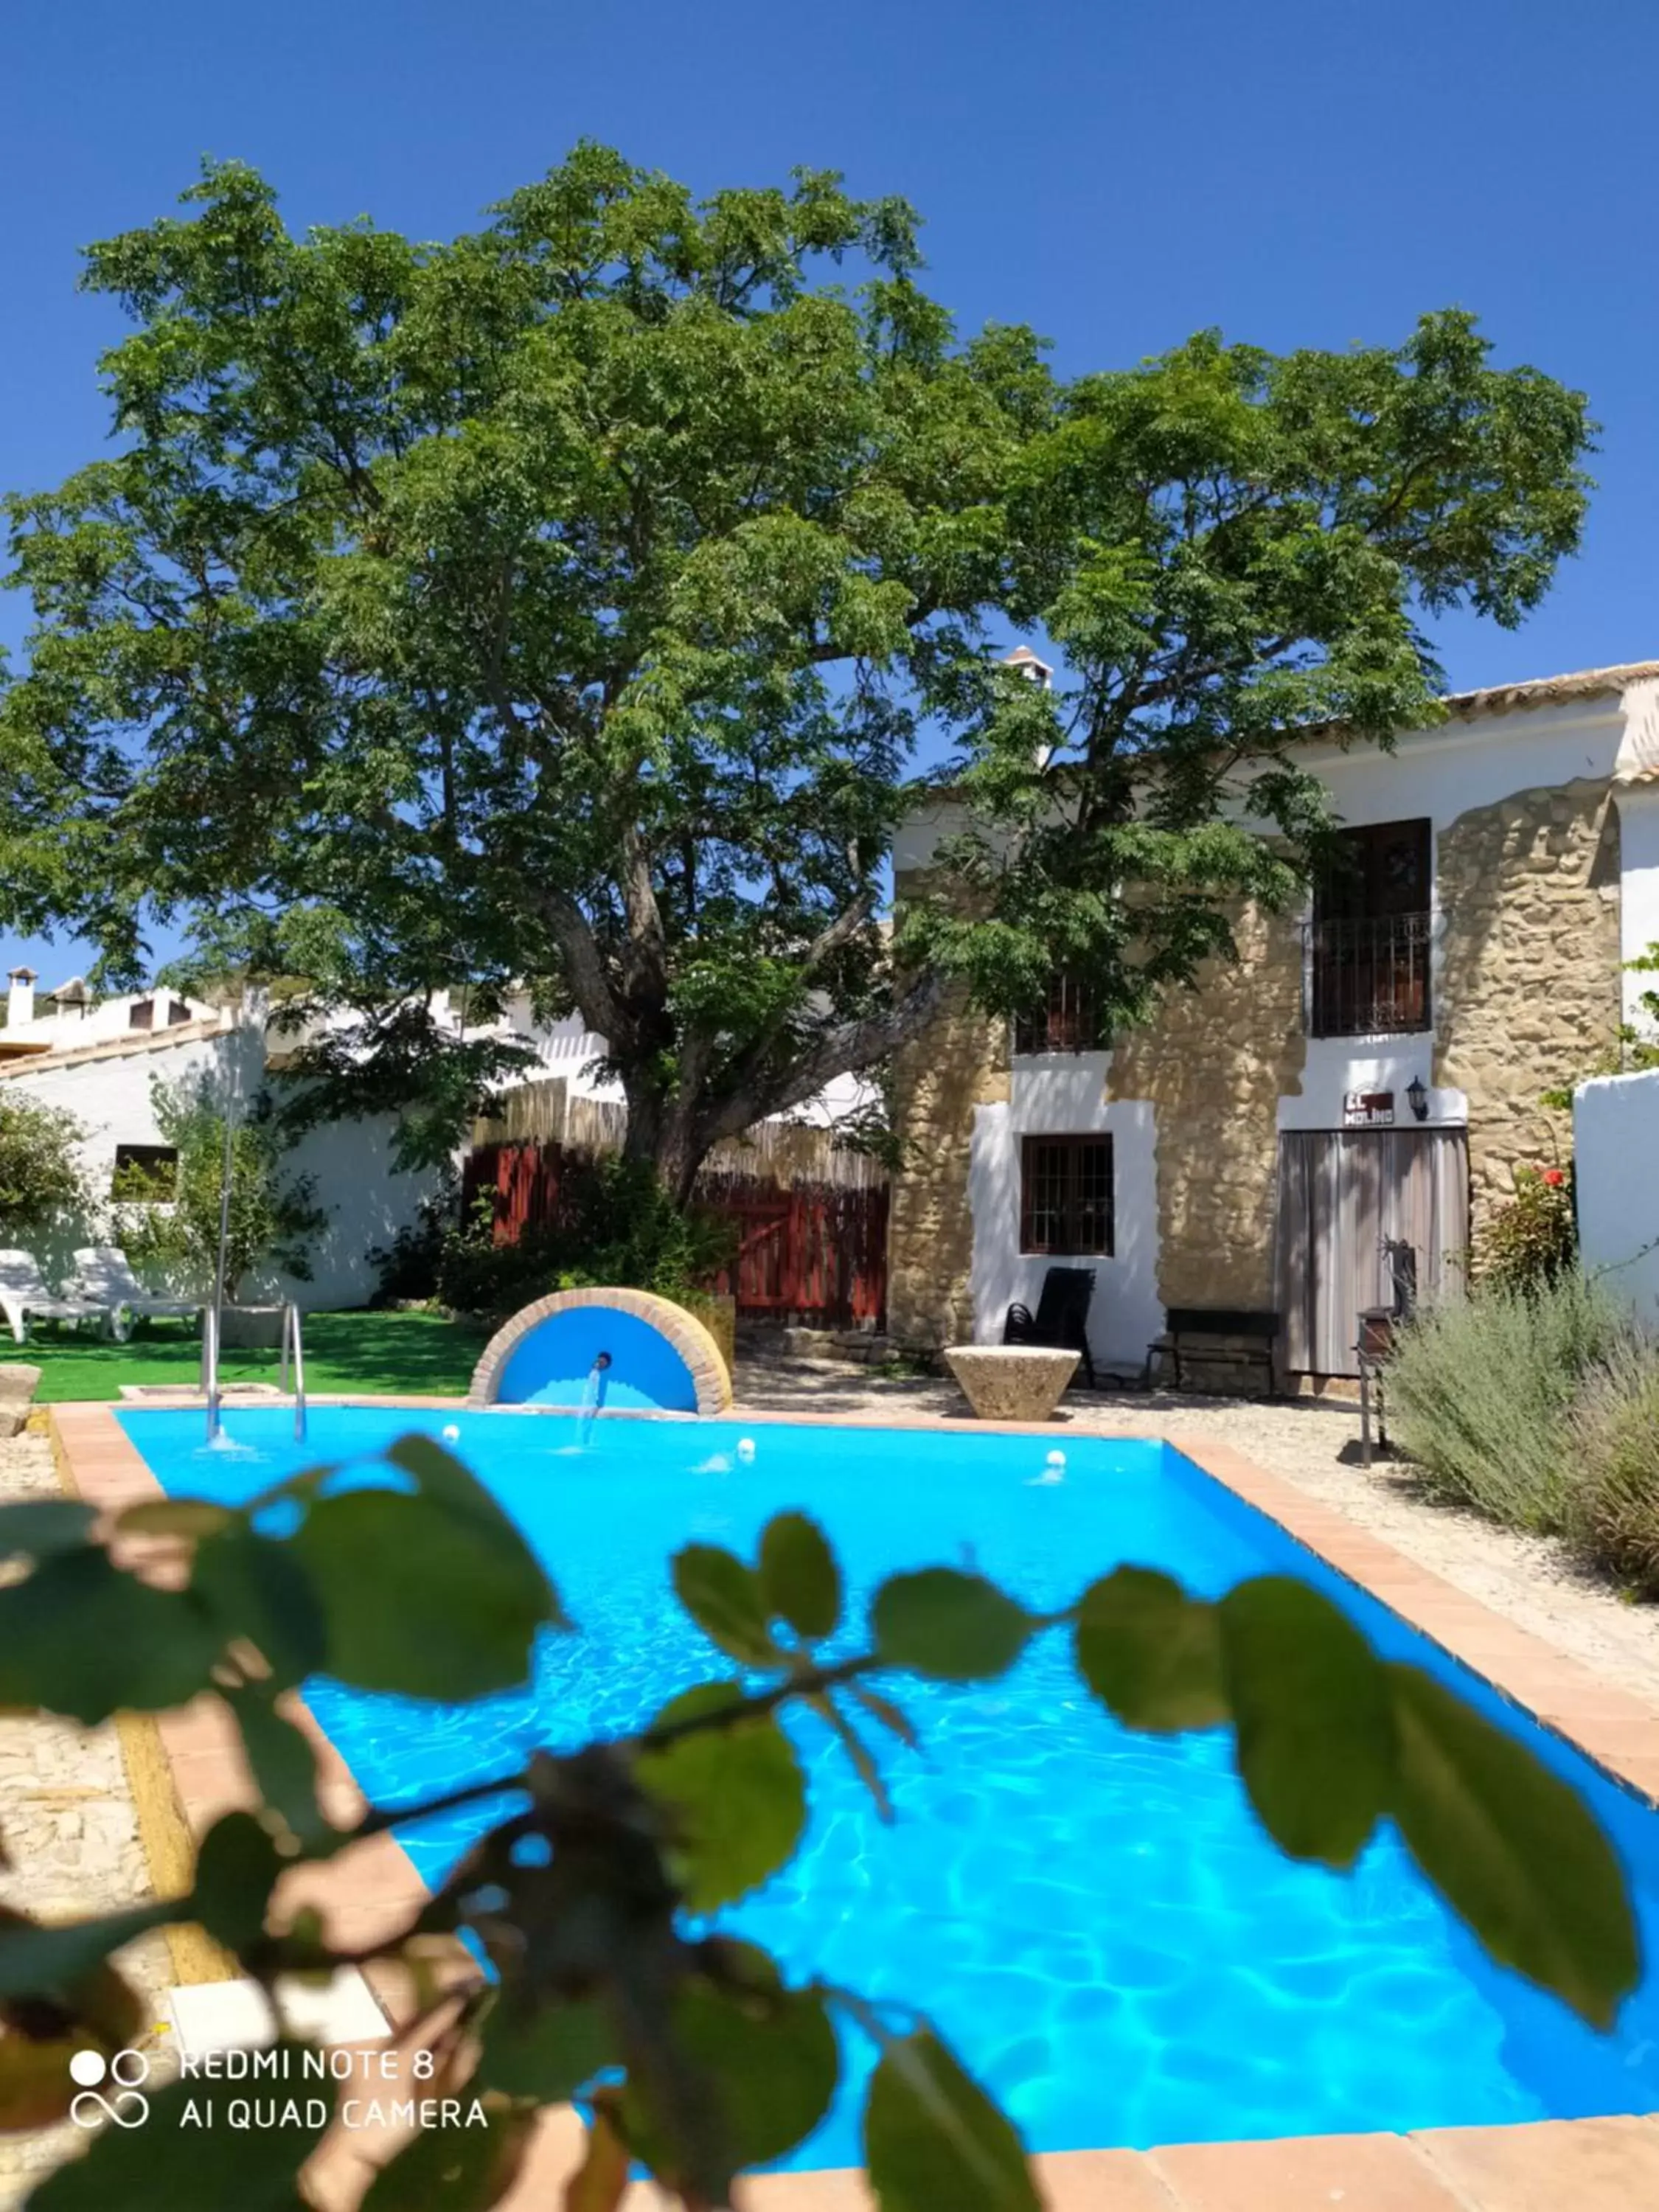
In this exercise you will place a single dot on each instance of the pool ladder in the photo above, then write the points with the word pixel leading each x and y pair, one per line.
pixel 293 1360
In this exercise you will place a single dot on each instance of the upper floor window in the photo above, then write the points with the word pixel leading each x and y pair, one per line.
pixel 1370 969
pixel 1069 1022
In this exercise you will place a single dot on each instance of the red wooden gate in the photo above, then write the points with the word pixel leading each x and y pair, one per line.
pixel 811 1252
pixel 808 1252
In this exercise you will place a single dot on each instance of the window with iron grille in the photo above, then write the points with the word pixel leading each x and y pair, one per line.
pixel 1370 942
pixel 1069 1022
pixel 1066 1194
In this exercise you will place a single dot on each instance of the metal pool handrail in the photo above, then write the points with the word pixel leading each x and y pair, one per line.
pixel 294 1342
pixel 211 1367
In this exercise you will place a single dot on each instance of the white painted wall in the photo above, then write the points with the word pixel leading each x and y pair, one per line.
pixel 568 1048
pixel 367 1199
pixel 1336 1066
pixel 1058 1094
pixel 1615 1128
pixel 1638 889
pixel 110 1101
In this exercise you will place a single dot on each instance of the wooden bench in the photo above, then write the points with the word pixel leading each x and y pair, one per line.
pixel 1226 1340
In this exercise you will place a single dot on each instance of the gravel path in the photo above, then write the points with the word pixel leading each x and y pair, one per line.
pixel 70 1842
pixel 1531 1581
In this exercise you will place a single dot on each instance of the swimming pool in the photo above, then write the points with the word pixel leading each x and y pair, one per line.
pixel 1092 1917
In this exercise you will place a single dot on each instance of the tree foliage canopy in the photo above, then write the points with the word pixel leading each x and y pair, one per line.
pixel 270 1215
pixel 42 1178
pixel 573 601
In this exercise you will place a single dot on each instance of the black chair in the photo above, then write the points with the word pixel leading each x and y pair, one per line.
pixel 1061 1319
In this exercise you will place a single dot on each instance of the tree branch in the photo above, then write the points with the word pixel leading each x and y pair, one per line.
pixel 847 1049
pixel 749 1066
pixel 584 968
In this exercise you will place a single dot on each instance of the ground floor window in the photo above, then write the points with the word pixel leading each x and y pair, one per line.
pixel 1066 1194
pixel 147 1175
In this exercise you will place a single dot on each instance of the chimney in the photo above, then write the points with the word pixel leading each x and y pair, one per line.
pixel 20 1006
pixel 1024 662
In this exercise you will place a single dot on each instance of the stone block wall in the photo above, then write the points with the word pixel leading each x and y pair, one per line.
pixel 1214 1065
pixel 1528 991
pixel 961 1062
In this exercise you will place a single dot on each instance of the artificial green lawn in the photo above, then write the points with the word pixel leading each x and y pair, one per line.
pixel 393 1354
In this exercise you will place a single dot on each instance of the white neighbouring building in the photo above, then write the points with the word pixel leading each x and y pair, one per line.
pixel 98 1062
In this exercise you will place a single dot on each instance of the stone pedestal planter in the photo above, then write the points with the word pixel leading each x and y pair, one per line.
pixel 1012 1381
pixel 253 1329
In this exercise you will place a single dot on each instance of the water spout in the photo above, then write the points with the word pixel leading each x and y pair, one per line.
pixel 592 1394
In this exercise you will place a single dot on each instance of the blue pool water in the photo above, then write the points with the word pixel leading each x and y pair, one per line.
pixel 1093 1917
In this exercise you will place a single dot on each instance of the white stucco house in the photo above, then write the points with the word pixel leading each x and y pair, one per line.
pixel 98 1063
pixel 1370 1072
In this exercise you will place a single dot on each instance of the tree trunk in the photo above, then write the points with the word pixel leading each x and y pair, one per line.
pixel 662 1135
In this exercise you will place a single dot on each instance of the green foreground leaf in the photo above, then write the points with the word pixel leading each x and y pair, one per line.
pixel 39 1526
pixel 459 2168
pixel 953 1627
pixel 57 1962
pixel 236 1870
pixel 724 1597
pixel 257 1589
pixel 548 2052
pixel 1150 1654
pixel 736 1794
pixel 78 1637
pixel 932 2138
pixel 1310 1705
pixel 433 1596
pixel 767 2063
pixel 165 2166
pixel 1516 1852
pixel 281 1762
pixel 798 1575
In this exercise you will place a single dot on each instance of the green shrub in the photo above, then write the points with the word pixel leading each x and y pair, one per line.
pixel 615 1226
pixel 1612 1505
pixel 1481 1391
pixel 271 1219
pixel 40 1174
pixel 1532 1240
pixel 408 1268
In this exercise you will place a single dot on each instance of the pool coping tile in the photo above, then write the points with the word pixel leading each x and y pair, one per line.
pixel 1606 2164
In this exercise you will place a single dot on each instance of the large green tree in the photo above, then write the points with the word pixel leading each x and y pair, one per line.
pixel 573 602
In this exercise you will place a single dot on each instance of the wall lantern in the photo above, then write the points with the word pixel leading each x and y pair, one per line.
pixel 1418 1098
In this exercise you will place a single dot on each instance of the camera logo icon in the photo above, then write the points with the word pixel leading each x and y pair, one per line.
pixel 123 2074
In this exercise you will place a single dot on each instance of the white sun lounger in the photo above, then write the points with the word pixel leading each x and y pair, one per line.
pixel 104 1276
pixel 24 1297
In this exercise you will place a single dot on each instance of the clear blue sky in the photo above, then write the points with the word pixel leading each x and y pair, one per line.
pixel 1116 172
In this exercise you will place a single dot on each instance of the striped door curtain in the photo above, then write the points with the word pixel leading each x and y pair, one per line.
pixel 1343 1196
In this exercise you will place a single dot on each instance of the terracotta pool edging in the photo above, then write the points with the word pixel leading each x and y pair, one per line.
pixel 1603 2164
